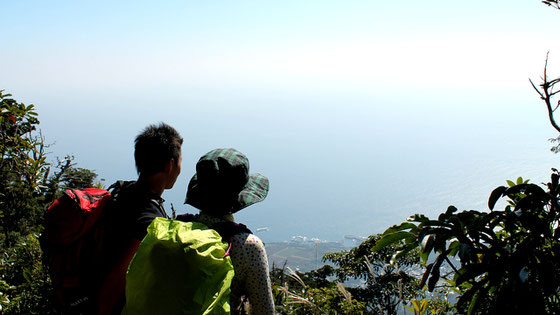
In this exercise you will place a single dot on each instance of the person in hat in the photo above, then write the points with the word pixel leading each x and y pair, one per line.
pixel 222 186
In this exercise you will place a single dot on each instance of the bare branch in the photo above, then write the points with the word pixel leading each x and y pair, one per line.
pixel 545 66
pixel 547 92
pixel 552 3
pixel 534 87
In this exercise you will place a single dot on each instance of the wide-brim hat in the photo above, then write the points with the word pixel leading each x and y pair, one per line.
pixel 222 183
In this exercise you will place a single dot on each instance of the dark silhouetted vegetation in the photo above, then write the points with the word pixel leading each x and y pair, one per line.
pixel 508 258
pixel 26 189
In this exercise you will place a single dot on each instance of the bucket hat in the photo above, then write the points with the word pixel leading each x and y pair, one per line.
pixel 222 183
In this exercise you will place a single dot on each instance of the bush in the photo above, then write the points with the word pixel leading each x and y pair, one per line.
pixel 509 262
pixel 25 287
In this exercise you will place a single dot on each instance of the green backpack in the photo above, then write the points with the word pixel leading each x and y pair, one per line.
pixel 181 268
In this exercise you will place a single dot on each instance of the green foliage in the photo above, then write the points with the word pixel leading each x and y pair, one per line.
pixel 382 286
pixel 433 305
pixel 78 178
pixel 23 168
pixel 386 283
pixel 24 284
pixel 419 307
pixel 25 192
pixel 311 293
pixel 67 176
pixel 508 259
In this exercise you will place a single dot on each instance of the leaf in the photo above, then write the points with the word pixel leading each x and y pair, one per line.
pixel 392 238
pixel 436 271
pixel 417 218
pixel 436 223
pixel 464 252
pixel 424 256
pixel 474 303
pixel 400 227
pixel 403 252
pixel 433 279
pixel 423 305
pixel 427 241
pixel 426 274
pixel 516 189
pixel 495 195
pixel 415 303
pixel 409 308
pixel 468 272
pixel 554 179
pixel 27 275
pixel 454 248
pixel 535 189
pixel 510 183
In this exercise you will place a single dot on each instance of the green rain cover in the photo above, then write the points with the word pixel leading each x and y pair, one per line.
pixel 179 268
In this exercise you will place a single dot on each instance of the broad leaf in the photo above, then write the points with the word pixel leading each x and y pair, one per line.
pixel 392 238
pixel 495 195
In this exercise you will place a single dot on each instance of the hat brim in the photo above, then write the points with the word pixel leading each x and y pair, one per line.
pixel 254 191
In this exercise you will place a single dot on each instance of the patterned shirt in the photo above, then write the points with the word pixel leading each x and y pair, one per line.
pixel 250 265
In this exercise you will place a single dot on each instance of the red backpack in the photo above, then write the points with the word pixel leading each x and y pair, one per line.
pixel 72 245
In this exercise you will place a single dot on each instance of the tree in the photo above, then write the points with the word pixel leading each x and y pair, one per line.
pixel 79 178
pixel 378 287
pixel 23 168
pixel 509 262
pixel 26 189
pixel 385 285
pixel 548 90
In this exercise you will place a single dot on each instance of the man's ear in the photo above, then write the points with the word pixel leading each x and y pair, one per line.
pixel 169 165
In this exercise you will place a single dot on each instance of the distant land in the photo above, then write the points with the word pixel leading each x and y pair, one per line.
pixel 304 254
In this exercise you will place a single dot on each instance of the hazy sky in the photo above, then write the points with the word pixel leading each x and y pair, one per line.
pixel 361 113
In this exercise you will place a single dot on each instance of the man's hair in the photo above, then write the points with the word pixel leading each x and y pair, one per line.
pixel 155 146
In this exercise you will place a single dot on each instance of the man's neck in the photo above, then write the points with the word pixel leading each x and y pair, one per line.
pixel 153 183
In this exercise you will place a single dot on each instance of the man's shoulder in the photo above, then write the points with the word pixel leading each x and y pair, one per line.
pixel 130 201
pixel 133 209
pixel 130 192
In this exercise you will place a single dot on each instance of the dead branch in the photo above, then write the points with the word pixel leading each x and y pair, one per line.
pixel 547 91
pixel 552 3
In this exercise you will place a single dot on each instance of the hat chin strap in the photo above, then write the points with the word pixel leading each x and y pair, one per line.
pixel 217 211
pixel 226 217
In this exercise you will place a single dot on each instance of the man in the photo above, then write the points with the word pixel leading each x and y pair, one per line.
pixel 158 157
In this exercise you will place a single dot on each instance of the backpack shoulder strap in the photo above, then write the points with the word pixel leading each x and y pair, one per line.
pixel 229 229
pixel 119 185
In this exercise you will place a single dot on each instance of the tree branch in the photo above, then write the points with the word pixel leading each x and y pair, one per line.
pixel 547 92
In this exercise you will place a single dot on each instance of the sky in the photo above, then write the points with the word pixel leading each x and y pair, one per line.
pixel 361 113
